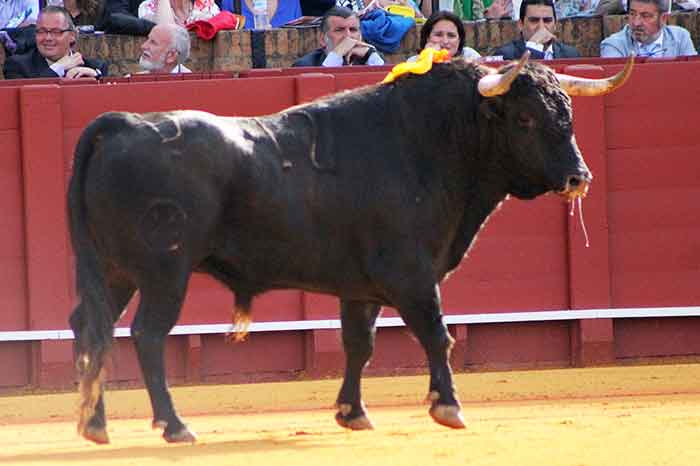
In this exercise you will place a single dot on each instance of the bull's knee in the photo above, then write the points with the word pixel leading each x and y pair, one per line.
pixel 359 349
pixel 441 339
pixel 446 341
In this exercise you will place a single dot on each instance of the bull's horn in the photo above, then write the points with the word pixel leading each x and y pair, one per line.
pixel 498 84
pixel 595 87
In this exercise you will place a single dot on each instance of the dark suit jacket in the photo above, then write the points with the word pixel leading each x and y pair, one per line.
pixel 514 50
pixel 316 58
pixel 33 65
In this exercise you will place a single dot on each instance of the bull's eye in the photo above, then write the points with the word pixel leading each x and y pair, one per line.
pixel 525 121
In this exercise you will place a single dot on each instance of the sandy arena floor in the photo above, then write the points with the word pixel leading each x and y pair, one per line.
pixel 641 415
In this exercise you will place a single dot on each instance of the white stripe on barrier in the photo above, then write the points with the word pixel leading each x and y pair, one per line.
pixel 501 317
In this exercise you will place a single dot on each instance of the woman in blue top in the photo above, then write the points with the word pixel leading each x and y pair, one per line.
pixel 279 12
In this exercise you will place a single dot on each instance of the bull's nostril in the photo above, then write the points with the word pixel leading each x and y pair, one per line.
pixel 573 182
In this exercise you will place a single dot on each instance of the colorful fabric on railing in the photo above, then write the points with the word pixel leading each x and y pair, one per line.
pixel 385 30
pixel 207 28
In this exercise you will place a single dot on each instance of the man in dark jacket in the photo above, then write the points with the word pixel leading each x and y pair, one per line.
pixel 53 56
pixel 341 42
pixel 537 24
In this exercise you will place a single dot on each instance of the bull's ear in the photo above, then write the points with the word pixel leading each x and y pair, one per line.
pixel 492 108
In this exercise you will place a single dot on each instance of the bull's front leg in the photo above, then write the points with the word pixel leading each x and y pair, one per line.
pixel 358 321
pixel 422 314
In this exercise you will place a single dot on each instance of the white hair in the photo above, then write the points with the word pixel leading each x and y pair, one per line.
pixel 181 42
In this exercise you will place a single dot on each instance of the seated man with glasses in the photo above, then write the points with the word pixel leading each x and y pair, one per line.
pixel 538 28
pixel 646 33
pixel 54 55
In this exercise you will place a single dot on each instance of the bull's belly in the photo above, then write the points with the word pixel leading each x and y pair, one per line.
pixel 276 270
pixel 348 292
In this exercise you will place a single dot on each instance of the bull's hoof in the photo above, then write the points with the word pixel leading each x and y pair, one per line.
pixel 159 425
pixel 344 417
pixel 96 434
pixel 183 435
pixel 448 416
pixel 358 423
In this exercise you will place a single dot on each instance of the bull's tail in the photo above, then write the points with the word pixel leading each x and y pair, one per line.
pixel 92 321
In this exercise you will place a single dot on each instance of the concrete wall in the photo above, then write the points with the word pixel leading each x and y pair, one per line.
pixel 278 48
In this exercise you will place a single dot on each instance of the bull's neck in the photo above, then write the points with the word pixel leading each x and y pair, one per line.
pixel 479 203
pixel 484 190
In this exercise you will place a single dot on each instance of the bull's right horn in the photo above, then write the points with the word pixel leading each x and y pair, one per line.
pixel 492 85
pixel 575 86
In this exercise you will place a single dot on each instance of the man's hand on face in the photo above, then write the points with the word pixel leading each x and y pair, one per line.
pixel 81 72
pixel 543 36
pixel 71 61
pixel 349 48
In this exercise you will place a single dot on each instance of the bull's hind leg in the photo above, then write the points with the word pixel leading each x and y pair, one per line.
pixel 93 423
pixel 159 309
pixel 422 314
pixel 358 321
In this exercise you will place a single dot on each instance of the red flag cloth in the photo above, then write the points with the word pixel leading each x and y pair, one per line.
pixel 207 28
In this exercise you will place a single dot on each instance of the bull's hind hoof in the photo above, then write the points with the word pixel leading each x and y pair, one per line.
pixel 448 415
pixel 358 423
pixel 184 435
pixel 96 434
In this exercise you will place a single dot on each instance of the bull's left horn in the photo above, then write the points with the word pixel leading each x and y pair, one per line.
pixel 595 87
pixel 492 85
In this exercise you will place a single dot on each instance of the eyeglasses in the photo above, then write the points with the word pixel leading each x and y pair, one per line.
pixel 51 32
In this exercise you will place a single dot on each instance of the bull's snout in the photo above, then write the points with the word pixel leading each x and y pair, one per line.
pixel 574 181
pixel 577 185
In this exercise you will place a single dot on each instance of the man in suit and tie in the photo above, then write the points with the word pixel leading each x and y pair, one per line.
pixel 341 42
pixel 54 57
pixel 538 27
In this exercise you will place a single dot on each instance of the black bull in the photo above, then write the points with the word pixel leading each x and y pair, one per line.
pixel 372 195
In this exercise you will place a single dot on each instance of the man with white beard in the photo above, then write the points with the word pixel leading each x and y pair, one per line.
pixel 166 49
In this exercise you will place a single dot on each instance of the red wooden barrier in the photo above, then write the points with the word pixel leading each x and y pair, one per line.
pixel 640 216
pixel 13 283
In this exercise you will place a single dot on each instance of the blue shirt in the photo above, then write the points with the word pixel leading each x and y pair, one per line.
pixel 287 10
